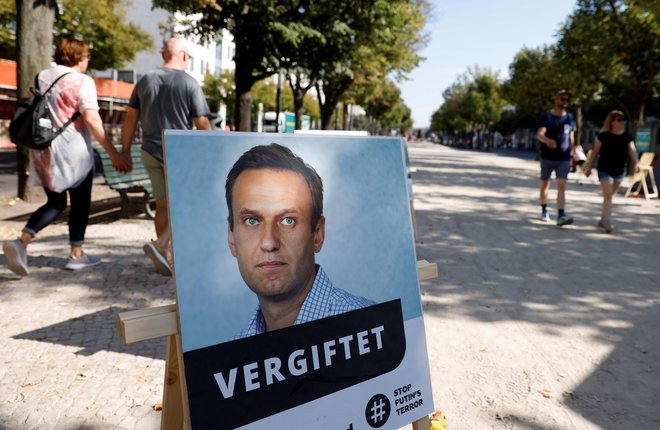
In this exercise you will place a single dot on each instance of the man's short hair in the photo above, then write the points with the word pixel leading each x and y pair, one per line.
pixel 276 157
pixel 70 52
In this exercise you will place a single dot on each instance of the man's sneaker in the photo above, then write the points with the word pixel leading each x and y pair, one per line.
pixel 545 216
pixel 16 256
pixel 82 262
pixel 160 262
pixel 564 220
pixel 606 225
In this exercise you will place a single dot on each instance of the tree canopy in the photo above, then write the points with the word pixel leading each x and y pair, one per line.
pixel 337 43
pixel 473 102
pixel 113 40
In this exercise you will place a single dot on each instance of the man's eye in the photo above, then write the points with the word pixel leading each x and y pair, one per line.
pixel 251 221
pixel 288 221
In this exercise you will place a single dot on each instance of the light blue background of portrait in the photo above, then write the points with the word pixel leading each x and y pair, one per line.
pixel 368 250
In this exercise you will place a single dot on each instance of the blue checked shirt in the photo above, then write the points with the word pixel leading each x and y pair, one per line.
pixel 323 300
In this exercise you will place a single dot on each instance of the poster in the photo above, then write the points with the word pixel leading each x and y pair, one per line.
pixel 363 367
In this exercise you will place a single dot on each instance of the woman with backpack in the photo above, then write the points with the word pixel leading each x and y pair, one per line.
pixel 67 165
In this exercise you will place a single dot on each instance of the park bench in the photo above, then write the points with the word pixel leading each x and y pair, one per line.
pixel 135 182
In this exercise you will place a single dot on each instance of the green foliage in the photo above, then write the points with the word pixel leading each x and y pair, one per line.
pixel 382 101
pixel 384 38
pixel 473 101
pixel 8 29
pixel 535 76
pixel 336 42
pixel 615 44
pixel 219 90
pixel 113 41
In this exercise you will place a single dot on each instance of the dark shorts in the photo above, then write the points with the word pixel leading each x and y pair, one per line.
pixel 560 167
pixel 605 176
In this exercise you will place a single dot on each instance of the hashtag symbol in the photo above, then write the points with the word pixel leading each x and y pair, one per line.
pixel 378 411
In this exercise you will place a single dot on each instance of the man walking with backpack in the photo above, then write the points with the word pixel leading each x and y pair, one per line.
pixel 164 98
pixel 66 166
pixel 555 135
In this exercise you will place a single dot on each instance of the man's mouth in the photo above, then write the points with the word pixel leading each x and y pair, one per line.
pixel 271 264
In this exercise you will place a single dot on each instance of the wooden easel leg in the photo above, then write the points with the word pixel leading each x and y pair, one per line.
pixel 654 186
pixel 422 424
pixel 173 410
pixel 414 219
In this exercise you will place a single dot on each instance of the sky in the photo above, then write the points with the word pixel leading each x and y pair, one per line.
pixel 487 33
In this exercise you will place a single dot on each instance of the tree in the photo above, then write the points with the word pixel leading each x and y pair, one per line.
pixel 616 44
pixel 382 101
pixel 34 47
pixel 112 40
pixel 258 27
pixel 8 29
pixel 27 32
pixel 473 103
pixel 535 77
pixel 380 38
pixel 221 90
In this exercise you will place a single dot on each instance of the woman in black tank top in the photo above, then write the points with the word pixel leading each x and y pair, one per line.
pixel 613 146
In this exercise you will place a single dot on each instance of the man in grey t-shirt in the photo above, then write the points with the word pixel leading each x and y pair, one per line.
pixel 164 98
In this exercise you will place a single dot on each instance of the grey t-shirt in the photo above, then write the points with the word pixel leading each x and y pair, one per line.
pixel 167 99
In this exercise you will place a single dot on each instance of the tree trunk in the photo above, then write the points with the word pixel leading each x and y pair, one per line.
pixel 34 47
pixel 637 119
pixel 243 81
pixel 578 123
pixel 299 92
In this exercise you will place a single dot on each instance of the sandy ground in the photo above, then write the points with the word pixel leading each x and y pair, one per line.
pixel 531 326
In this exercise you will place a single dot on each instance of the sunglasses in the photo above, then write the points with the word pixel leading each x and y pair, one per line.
pixel 618 120
pixel 564 99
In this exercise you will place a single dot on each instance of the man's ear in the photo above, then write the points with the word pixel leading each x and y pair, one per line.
pixel 319 234
pixel 230 241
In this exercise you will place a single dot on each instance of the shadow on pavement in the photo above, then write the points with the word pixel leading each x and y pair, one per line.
pixel 94 332
pixel 519 271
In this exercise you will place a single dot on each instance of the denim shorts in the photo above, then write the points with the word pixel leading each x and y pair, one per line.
pixel 604 176
pixel 561 168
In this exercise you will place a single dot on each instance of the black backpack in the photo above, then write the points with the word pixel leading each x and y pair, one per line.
pixel 32 125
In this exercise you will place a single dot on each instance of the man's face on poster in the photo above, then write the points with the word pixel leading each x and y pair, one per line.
pixel 273 239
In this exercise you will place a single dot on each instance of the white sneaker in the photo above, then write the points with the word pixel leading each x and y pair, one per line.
pixel 16 256
pixel 161 264
pixel 82 262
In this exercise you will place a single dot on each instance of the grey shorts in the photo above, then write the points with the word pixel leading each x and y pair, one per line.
pixel 560 167
pixel 156 174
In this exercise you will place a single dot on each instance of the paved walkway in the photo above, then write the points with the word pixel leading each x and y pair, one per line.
pixel 62 364
pixel 529 326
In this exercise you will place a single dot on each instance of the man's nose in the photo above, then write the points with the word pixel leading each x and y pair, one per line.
pixel 269 238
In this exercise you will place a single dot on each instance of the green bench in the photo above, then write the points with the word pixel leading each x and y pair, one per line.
pixel 135 182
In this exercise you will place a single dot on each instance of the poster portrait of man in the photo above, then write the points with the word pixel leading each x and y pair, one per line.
pixel 296 279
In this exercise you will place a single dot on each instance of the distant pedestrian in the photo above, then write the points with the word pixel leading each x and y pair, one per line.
pixel 67 166
pixel 613 147
pixel 555 134
pixel 164 98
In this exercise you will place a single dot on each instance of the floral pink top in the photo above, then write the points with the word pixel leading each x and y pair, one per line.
pixel 69 159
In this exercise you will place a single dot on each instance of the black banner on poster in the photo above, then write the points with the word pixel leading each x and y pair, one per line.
pixel 235 383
